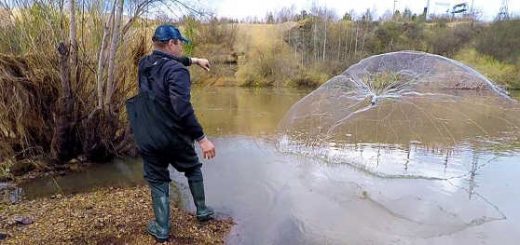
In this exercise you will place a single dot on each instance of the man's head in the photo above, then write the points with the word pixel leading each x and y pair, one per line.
pixel 168 38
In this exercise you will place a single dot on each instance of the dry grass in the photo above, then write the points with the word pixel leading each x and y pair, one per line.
pixel 30 86
pixel 269 60
pixel 507 75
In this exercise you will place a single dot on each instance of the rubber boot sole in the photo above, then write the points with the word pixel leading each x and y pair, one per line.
pixel 160 240
pixel 206 217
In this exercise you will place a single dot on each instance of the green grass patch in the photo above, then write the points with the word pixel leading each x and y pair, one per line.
pixel 504 74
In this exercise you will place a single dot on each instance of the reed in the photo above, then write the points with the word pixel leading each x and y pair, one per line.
pixel 49 102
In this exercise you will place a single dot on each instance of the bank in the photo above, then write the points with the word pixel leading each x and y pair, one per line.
pixel 105 216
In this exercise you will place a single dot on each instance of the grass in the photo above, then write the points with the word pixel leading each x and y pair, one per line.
pixel 268 59
pixel 384 80
pixel 504 74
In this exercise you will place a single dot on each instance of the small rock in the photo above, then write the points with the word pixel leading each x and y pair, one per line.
pixel 22 167
pixel 73 161
pixel 82 158
pixel 6 178
pixel 56 196
pixel 74 167
pixel 364 195
pixel 23 220
pixel 3 236
pixel 9 193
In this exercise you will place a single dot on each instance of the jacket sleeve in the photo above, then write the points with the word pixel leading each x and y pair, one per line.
pixel 179 85
pixel 185 60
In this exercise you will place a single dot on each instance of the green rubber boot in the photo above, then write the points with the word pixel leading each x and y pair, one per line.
pixel 204 213
pixel 160 227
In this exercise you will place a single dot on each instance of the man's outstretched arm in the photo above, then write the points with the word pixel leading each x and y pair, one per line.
pixel 188 61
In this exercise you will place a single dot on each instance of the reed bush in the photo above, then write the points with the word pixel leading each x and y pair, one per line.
pixel 31 87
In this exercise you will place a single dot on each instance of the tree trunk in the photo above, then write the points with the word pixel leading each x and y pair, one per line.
pixel 339 42
pixel 73 43
pixel 103 122
pixel 325 41
pixel 102 57
pixel 355 45
pixel 116 32
pixel 349 45
pixel 63 145
pixel 302 46
pixel 314 40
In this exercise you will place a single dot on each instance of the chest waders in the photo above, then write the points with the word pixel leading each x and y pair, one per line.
pixel 158 136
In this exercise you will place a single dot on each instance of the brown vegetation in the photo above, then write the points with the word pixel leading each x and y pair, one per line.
pixel 317 45
pixel 110 216
pixel 55 104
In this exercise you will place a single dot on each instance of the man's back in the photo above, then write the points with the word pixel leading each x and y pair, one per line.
pixel 152 72
pixel 169 80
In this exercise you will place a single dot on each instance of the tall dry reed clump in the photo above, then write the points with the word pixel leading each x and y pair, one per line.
pixel 214 39
pixel 268 60
pixel 55 102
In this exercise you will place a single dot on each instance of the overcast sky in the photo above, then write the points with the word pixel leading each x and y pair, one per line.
pixel 243 8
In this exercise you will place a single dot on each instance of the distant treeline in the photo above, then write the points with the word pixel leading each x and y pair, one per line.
pixel 320 45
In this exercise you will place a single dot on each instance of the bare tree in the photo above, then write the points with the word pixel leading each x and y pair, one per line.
pixel 73 41
pixel 102 56
pixel 62 140
pixel 325 38
pixel 315 39
pixel 355 45
pixel 116 33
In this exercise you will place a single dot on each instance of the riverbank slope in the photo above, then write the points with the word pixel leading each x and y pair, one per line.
pixel 107 216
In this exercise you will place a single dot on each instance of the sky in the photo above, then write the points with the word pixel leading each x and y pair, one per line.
pixel 240 9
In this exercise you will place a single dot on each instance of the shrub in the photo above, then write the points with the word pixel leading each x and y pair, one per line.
pixel 501 40
pixel 448 41
pixel 504 74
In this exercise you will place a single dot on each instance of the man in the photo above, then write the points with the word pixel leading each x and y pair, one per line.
pixel 165 126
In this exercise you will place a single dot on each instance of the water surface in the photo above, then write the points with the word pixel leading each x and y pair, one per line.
pixel 291 198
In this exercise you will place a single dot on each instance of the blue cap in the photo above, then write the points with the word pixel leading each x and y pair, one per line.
pixel 167 32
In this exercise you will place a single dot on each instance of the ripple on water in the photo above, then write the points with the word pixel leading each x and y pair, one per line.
pixel 311 201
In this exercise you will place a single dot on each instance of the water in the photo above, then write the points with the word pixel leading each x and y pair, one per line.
pixel 430 114
pixel 281 198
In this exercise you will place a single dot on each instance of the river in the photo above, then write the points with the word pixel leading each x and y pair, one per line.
pixel 281 198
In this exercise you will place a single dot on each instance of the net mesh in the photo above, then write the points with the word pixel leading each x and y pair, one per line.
pixel 399 114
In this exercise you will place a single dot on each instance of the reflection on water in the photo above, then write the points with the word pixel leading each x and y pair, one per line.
pixel 116 174
pixel 515 94
pixel 243 111
pixel 404 114
pixel 289 199
pixel 471 197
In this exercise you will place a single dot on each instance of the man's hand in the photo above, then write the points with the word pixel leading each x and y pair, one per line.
pixel 203 63
pixel 208 149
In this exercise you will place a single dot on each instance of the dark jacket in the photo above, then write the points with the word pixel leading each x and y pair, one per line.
pixel 169 79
